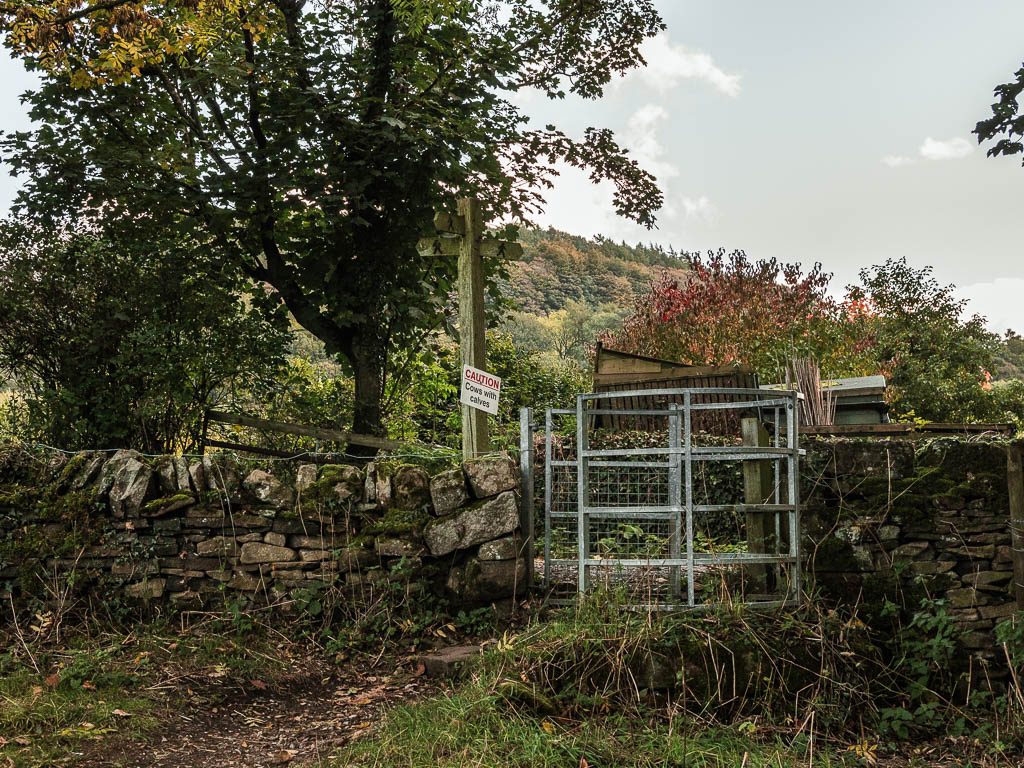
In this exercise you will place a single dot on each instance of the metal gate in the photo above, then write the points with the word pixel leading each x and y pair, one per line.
pixel 672 518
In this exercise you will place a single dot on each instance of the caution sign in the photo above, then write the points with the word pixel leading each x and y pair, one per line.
pixel 480 389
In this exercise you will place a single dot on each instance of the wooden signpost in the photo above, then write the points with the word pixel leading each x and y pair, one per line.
pixel 462 234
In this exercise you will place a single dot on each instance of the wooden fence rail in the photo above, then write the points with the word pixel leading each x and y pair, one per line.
pixel 329 435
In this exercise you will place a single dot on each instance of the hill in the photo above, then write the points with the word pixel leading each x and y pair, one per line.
pixel 558 268
pixel 568 289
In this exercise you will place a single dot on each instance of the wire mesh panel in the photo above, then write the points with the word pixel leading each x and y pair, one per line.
pixel 673 518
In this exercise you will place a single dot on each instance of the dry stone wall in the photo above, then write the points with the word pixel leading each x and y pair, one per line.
pixel 900 521
pixel 194 533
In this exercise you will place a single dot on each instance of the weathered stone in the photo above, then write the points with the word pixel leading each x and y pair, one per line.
pixel 311 542
pixel 354 558
pixel 507 548
pixel 998 611
pixel 474 525
pixel 342 482
pixel 249 521
pixel 135 568
pixel 244 581
pixel 888 533
pixel 218 546
pixel 111 469
pixel 169 524
pixel 370 485
pixel 962 598
pixel 205 518
pixel 146 590
pixel 913 550
pixel 986 538
pixel 190 563
pixel 411 487
pixel 168 504
pixel 133 483
pixel 448 491
pixel 254 536
pixel 487 580
pixel 931 567
pixel 258 552
pixel 89 472
pixel 313 555
pixel 223 476
pixel 397 548
pixel 448 663
pixel 975 640
pixel 491 475
pixel 168 478
pixel 981 552
pixel 197 476
pixel 181 474
pixel 990 581
pixel 383 489
pixel 305 476
pixel 277 539
pixel 1004 554
pixel 268 490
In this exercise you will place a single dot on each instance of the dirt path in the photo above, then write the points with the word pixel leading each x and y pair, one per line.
pixel 298 721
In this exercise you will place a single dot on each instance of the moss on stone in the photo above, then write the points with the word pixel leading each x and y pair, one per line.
pixel 399 522
pixel 158 504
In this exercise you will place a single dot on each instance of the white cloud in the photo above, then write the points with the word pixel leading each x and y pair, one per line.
pixel 669 64
pixel 898 161
pixel 640 137
pixel 700 208
pixel 950 149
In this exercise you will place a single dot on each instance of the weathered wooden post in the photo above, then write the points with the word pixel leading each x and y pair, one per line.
pixel 472 325
pixel 757 489
pixel 1015 491
pixel 526 489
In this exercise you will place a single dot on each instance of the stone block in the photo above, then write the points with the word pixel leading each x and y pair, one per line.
pixel 998 611
pixel 218 546
pixel 932 567
pixel 448 663
pixel 913 550
pixel 151 589
pixel 491 475
pixel 244 581
pixel 410 487
pixel 979 552
pixel 507 548
pixel 397 548
pixel 277 539
pixel 313 555
pixel 135 568
pixel 474 525
pixel 448 491
pixel 268 490
pixel 487 580
pixel 305 476
pixel 989 581
pixel 133 483
pixel 257 552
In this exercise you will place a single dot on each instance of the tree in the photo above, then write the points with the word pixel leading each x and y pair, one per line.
pixel 113 348
pixel 307 147
pixel 734 310
pixel 937 364
pixel 1006 122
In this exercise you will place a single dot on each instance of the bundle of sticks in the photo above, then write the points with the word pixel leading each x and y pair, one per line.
pixel 818 407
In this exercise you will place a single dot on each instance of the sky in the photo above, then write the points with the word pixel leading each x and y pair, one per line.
pixel 806 131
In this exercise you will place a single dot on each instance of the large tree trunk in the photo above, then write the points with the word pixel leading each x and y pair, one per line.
pixel 368 360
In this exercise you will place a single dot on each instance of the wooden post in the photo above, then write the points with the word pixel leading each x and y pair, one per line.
pixel 472 327
pixel 526 490
pixel 757 489
pixel 1015 491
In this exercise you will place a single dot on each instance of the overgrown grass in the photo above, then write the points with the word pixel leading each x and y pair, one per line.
pixel 58 700
pixel 603 686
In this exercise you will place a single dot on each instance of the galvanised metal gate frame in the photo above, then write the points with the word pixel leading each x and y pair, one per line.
pixel 677 508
